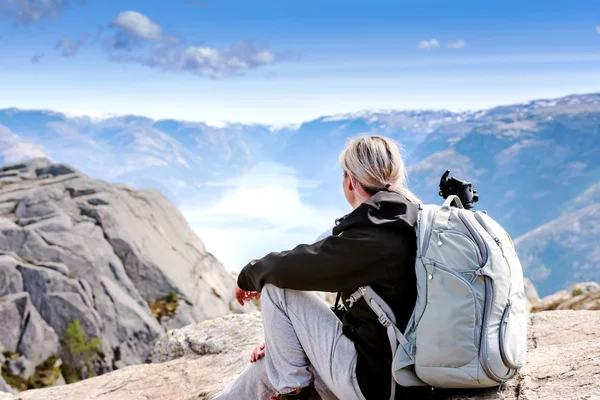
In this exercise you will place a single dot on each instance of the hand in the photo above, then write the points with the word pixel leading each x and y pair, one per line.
pixel 257 353
pixel 244 295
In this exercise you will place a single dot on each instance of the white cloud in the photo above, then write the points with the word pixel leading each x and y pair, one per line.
pixel 457 44
pixel 266 211
pixel 271 192
pixel 31 11
pixel 69 47
pixel 139 25
pixel 202 61
pixel 13 149
pixel 216 63
pixel 139 40
pixel 429 44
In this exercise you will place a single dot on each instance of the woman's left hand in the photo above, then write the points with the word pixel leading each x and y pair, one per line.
pixel 245 295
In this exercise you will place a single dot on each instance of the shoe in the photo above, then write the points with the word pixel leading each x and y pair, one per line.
pixel 306 393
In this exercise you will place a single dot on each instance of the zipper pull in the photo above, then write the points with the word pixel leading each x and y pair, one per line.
pixel 500 387
pixel 498 242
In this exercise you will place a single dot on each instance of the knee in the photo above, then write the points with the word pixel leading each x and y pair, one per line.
pixel 270 288
pixel 271 291
pixel 272 294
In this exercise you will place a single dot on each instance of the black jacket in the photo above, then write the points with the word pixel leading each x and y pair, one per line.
pixel 374 245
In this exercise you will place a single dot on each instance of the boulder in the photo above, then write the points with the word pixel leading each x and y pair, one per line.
pixel 55 170
pixel 208 337
pixel 10 278
pixel 21 367
pixel 563 363
pixel 585 287
pixel 531 293
pixel 24 331
pixel 583 296
pixel 87 250
pixel 5 389
pixel 60 299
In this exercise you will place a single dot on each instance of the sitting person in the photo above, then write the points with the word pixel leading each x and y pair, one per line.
pixel 306 345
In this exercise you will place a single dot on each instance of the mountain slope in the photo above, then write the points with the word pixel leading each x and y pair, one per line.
pixel 77 249
pixel 565 250
pixel 530 162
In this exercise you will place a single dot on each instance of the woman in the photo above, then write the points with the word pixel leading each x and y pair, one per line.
pixel 306 345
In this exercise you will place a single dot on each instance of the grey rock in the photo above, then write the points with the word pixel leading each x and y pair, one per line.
pixel 21 367
pixel 582 296
pixel 10 278
pixel 5 390
pixel 30 165
pixel 54 266
pixel 208 337
pixel 13 167
pixel 97 202
pixel 24 331
pixel 6 208
pixel 60 381
pixel 585 287
pixel 55 223
pixel 80 192
pixel 153 240
pixel 531 294
pixel 9 179
pixel 563 363
pixel 61 300
pixel 55 170
pixel 530 291
pixel 101 260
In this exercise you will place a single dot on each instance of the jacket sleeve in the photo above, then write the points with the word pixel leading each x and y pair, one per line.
pixel 336 263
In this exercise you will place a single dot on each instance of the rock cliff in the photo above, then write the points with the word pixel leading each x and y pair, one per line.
pixel 563 363
pixel 121 262
pixel 583 296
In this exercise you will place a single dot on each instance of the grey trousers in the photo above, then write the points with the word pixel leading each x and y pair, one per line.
pixel 303 343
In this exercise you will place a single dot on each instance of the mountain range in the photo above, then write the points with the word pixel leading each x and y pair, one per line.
pixel 536 165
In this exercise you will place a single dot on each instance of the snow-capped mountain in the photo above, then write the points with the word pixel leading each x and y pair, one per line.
pixel 531 163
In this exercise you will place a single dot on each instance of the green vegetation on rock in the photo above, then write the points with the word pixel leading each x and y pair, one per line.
pixel 46 374
pixel 164 307
pixel 82 352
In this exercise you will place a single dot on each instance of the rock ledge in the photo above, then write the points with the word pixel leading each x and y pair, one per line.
pixel 563 363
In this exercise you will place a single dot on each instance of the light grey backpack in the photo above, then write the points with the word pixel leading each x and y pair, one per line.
pixel 469 325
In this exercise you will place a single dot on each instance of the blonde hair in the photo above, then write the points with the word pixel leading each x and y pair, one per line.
pixel 376 164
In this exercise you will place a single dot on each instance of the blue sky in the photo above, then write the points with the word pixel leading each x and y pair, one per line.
pixel 281 62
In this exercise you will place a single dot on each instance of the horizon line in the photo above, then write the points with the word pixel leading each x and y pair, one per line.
pixel 274 126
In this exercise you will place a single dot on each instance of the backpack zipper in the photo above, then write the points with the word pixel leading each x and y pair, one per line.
pixel 503 326
pixel 485 226
pixel 483 353
pixel 512 371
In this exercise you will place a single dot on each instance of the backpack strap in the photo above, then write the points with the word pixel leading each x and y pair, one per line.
pixel 443 213
pixel 386 317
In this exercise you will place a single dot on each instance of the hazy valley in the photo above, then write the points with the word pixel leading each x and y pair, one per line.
pixel 536 167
